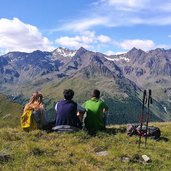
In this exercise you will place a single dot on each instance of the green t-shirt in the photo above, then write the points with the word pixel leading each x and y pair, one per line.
pixel 94 120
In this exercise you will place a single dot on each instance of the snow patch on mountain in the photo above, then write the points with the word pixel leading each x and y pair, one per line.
pixel 66 52
pixel 118 58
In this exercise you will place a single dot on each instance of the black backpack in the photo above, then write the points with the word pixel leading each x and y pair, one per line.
pixel 152 132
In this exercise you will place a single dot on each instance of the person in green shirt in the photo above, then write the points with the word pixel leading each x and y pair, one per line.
pixel 95 113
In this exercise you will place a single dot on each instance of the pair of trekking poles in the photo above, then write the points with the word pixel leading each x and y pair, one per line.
pixel 147 98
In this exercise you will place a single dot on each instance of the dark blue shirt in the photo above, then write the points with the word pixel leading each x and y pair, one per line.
pixel 66 113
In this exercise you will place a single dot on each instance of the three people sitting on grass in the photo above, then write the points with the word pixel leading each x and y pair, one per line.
pixel 70 116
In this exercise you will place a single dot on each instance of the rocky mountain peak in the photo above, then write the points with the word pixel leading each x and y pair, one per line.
pixel 38 54
pixel 158 50
pixel 64 52
pixel 136 56
pixel 81 51
pixel 134 52
pixel 158 53
pixel 15 55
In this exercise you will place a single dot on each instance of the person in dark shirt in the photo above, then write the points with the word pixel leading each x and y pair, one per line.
pixel 66 112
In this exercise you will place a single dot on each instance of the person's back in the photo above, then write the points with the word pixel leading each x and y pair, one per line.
pixel 95 107
pixel 38 112
pixel 66 111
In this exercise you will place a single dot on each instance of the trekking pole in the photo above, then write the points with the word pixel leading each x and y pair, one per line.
pixel 149 101
pixel 142 116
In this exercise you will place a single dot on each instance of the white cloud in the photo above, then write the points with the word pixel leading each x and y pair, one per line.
pixel 103 39
pixel 164 46
pixel 88 33
pixel 165 7
pixel 83 24
pixel 18 36
pixel 137 43
pixel 86 39
pixel 2 51
pixel 92 41
pixel 113 13
pixel 127 5
pixel 72 42
pixel 169 36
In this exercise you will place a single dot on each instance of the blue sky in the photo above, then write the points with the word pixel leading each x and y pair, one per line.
pixel 107 26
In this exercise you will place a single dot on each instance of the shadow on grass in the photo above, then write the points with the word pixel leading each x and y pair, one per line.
pixel 5 158
pixel 110 131
pixel 165 139
pixel 114 131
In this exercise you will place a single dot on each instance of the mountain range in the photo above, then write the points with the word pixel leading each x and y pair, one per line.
pixel 120 78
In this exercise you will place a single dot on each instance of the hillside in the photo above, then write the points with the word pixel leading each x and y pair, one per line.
pixel 124 107
pixel 9 112
pixel 109 151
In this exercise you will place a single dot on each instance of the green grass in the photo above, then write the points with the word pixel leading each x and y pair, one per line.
pixel 9 112
pixel 38 150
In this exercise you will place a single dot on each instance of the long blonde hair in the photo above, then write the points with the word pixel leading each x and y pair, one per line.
pixel 35 102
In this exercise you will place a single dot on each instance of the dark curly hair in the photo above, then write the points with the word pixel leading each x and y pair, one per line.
pixel 68 94
pixel 96 93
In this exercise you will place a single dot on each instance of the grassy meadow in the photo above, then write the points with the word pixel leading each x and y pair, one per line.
pixel 107 151
pixel 9 112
